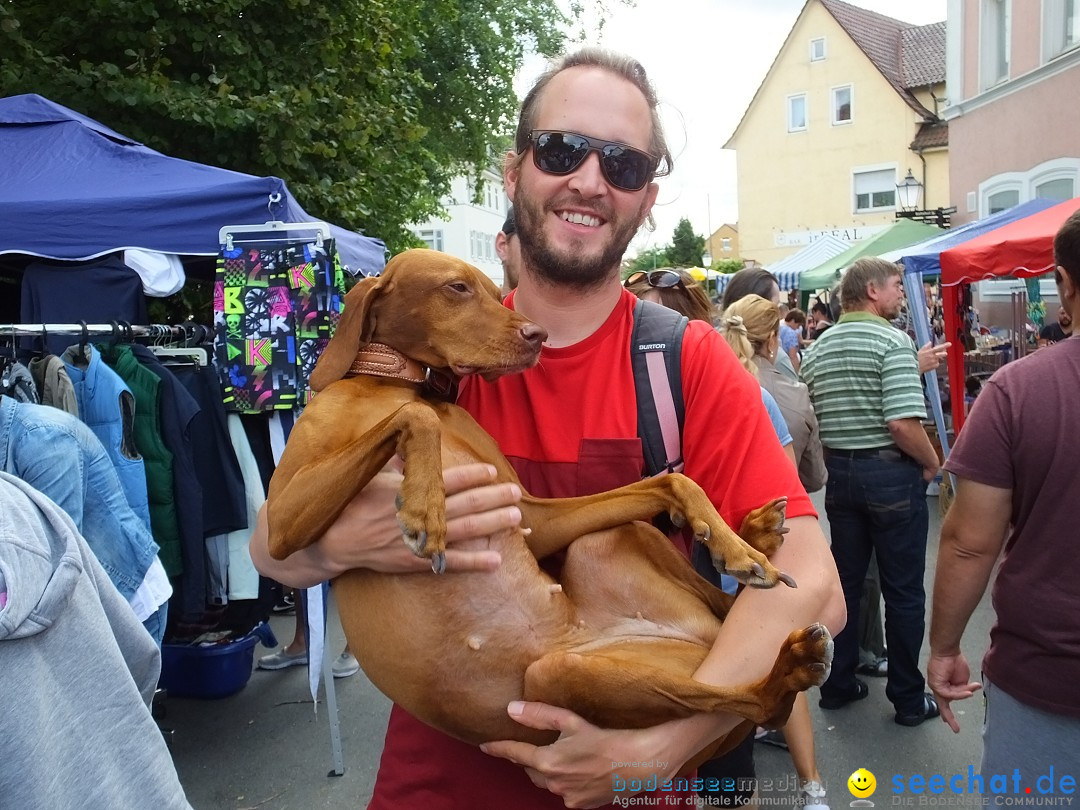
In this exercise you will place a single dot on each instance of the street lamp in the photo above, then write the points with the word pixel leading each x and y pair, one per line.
pixel 909 192
pixel 909 195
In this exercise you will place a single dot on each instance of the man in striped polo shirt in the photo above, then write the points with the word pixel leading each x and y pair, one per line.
pixel 863 376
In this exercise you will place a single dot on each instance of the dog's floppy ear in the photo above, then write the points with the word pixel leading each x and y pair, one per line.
pixel 355 327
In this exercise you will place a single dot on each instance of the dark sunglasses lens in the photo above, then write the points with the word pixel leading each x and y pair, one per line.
pixel 664 278
pixel 626 168
pixel 559 152
pixel 635 277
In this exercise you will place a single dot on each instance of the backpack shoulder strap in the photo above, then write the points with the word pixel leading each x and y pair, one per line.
pixel 656 357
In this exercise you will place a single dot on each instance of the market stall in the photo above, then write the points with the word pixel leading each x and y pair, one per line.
pixel 1023 248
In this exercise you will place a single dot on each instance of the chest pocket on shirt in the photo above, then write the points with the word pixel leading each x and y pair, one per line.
pixel 605 464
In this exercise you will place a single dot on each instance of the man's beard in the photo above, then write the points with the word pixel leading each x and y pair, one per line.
pixel 573 268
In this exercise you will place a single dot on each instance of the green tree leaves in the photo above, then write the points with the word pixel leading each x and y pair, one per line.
pixel 366 108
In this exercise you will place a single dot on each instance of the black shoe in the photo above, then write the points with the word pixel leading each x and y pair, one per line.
pixel 833 702
pixel 285 605
pixel 929 709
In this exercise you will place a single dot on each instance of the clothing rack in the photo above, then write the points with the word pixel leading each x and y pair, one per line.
pixel 155 331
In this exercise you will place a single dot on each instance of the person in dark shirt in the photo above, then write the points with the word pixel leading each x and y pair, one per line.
pixel 1057 331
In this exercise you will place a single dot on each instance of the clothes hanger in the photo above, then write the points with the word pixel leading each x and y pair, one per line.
pixel 273 231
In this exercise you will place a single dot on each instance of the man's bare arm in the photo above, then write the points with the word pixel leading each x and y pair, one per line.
pixel 910 437
pixel 971 539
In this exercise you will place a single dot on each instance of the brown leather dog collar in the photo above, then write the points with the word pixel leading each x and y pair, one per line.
pixel 380 360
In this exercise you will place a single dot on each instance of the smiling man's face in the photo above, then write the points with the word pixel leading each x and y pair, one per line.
pixel 574 228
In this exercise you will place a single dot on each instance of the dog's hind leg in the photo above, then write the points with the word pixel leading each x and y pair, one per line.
pixel 642 682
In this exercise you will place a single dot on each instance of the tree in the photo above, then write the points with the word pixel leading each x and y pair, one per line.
pixel 366 109
pixel 649 259
pixel 686 246
pixel 727 265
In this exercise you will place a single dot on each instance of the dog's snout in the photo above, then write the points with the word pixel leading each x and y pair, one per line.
pixel 534 335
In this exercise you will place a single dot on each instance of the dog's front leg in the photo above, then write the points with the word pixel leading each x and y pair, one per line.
pixel 307 496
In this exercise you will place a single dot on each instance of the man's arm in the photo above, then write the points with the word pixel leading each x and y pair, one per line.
pixel 912 439
pixel 971 539
pixel 367 534
pixel 745 651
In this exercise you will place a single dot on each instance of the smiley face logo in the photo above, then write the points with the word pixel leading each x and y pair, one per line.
pixel 862 784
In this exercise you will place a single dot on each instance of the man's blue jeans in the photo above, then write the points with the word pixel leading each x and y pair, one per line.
pixel 879 505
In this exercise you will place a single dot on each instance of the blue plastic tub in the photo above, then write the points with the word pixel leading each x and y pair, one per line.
pixel 212 671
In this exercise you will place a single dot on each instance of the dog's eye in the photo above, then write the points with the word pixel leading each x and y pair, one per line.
pixel 458 286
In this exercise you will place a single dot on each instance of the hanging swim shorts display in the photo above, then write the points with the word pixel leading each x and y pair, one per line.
pixel 276 307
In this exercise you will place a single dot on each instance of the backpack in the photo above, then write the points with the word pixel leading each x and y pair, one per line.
pixel 656 358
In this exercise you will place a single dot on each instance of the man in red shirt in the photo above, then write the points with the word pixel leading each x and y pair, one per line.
pixel 588 147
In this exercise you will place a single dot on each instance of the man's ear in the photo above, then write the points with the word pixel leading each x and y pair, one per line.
pixel 511 173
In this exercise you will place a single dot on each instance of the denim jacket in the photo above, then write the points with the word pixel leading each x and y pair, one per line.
pixel 58 455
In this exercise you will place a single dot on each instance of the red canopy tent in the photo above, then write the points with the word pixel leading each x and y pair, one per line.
pixel 1021 249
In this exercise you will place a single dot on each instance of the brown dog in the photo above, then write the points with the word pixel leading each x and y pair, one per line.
pixel 617 640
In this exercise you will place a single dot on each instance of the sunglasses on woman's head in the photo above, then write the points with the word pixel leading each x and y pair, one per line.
pixel 557 152
pixel 661 279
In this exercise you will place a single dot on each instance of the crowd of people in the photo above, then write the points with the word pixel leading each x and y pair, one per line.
pixel 777 403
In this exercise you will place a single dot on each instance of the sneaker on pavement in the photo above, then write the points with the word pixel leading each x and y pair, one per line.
pixel 345 665
pixel 285 605
pixel 813 795
pixel 282 659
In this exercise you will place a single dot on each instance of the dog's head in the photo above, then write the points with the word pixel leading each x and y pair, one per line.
pixel 437 310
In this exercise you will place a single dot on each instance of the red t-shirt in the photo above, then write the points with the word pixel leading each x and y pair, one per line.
pixel 569 427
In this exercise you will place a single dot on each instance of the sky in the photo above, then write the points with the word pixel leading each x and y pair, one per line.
pixel 706 59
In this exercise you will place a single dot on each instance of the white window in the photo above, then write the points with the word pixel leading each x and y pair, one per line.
pixel 474 245
pixel 1060 188
pixel 432 237
pixel 796 113
pixel 725 244
pixel 995 43
pixel 874 189
pixel 841 104
pixel 817 49
pixel 1061 26
pixel 1000 200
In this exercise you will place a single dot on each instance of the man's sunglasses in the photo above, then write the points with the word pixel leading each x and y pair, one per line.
pixel 661 279
pixel 557 152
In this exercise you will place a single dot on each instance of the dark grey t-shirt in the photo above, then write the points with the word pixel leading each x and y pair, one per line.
pixel 1022 435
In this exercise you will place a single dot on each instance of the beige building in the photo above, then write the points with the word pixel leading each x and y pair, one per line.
pixel 848 107
pixel 724 243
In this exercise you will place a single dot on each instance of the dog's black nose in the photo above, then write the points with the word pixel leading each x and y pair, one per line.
pixel 534 335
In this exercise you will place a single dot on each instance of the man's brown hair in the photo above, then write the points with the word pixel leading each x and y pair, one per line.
pixel 867 270
pixel 1067 248
pixel 618 64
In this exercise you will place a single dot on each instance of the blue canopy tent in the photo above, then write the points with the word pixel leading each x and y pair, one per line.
pixel 73 189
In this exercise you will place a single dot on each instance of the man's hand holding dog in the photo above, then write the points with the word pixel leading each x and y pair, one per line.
pixel 367 534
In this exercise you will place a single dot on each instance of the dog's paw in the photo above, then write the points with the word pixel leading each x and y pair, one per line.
pixel 808 653
pixel 421 544
pixel 763 528
pixel 730 555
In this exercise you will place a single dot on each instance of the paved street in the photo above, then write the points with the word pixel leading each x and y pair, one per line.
pixel 265 748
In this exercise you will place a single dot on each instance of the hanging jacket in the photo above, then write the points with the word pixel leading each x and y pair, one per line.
pixel 77 672
pixel 146 389
pixel 59 456
pixel 107 407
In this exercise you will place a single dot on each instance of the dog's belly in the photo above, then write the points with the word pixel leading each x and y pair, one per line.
pixel 452 650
